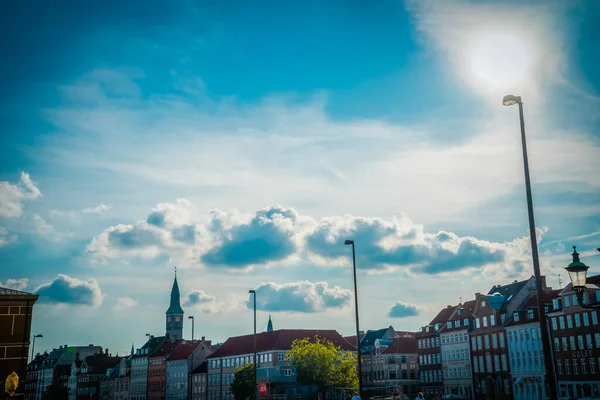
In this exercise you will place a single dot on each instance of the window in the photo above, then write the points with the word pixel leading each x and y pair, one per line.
pixel 557 344
pixel 597 338
pixel 568 367
pixel 583 366
pixel 478 323
pixel 530 314
pixel 496 362
pixel 281 357
pixel 575 366
pixel 437 341
pixel 494 341
pixel 466 322
pixel 419 344
pixel 474 343
pixel 595 314
pixel 554 324
pixel 501 336
pixel 580 342
pixel 574 297
pixel 569 321
pixel 577 320
pixel 481 364
pixel 457 323
pixel 483 387
pixel 586 319
pixel 567 301
pixel 565 344
pixel 572 342
pixel 449 324
pixel 592 366
pixel 504 363
pixel 288 371
pixel 516 316
pixel 488 362
pixel 486 341
pixel 561 321
pixel 485 322
pixel 480 345
pixel 492 320
pixel 506 386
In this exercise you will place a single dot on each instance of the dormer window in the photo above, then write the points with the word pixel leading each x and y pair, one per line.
pixel 483 303
pixel 516 317
pixel 530 313
pixel 449 324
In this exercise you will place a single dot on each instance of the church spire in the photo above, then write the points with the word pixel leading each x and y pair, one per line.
pixel 174 313
pixel 270 325
pixel 132 350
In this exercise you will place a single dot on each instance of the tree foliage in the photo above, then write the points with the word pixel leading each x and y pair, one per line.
pixel 56 391
pixel 242 386
pixel 320 362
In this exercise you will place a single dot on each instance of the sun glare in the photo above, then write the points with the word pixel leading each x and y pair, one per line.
pixel 498 61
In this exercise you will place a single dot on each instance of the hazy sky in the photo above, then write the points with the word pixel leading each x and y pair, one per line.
pixel 243 142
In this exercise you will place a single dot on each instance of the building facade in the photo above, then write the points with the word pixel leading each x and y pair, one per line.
pixel 199 382
pixel 16 309
pixel 526 355
pixel 399 370
pixel 431 376
pixel 157 378
pixel 92 373
pixel 32 382
pixel 575 334
pixel 179 366
pixel 271 348
pixel 456 351
pixel 139 368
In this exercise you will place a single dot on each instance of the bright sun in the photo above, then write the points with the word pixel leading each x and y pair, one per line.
pixel 498 61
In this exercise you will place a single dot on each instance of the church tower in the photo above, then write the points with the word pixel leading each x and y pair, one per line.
pixel 270 325
pixel 175 314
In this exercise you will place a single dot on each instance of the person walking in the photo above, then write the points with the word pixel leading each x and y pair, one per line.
pixel 420 396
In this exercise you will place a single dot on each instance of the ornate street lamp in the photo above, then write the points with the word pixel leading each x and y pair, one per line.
pixel 578 275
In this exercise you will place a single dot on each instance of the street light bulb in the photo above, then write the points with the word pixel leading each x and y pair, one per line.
pixel 349 242
pixel 577 271
pixel 510 100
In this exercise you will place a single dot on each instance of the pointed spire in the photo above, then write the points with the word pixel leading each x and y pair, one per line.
pixel 575 255
pixel 175 306
pixel 132 350
pixel 270 325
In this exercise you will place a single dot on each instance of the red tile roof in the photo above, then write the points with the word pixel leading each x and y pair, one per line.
pixel 547 298
pixel 351 340
pixel 165 349
pixel 402 346
pixel 281 339
pixel 405 333
pixel 443 315
pixel 183 351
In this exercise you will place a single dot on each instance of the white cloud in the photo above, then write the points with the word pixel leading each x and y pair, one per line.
pixel 123 303
pixel 6 238
pixel 99 209
pixel 12 196
pixel 16 284
pixel 67 290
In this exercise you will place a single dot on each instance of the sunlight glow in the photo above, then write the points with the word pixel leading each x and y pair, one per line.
pixel 499 60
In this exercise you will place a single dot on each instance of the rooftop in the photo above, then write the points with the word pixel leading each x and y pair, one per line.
pixel 183 350
pixel 12 292
pixel 402 345
pixel 281 339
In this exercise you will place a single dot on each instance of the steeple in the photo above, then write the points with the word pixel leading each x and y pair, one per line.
pixel 132 350
pixel 270 325
pixel 174 325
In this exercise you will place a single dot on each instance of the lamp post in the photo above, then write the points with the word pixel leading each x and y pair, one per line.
pixel 578 275
pixel 360 386
pixel 192 318
pixel 550 380
pixel 253 292
pixel 33 344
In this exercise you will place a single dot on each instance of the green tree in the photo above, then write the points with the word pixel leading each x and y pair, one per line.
pixel 242 386
pixel 56 391
pixel 320 362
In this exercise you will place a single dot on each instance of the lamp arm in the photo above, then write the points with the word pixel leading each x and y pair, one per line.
pixel 579 291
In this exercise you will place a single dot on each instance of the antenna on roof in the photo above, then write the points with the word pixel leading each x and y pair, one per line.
pixel 175 267
pixel 559 282
pixel 460 300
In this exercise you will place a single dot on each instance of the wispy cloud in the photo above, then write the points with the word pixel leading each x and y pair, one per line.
pixel 12 196
pixel 17 284
pixel 124 303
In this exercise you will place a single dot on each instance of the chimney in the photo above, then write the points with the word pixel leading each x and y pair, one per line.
pixel 105 352
pixel 91 345
pixel 515 281
pixel 77 356
pixel 448 306
pixel 203 338
pixel 477 294
pixel 65 346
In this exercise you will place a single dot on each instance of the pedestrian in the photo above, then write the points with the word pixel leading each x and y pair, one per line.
pixel 420 396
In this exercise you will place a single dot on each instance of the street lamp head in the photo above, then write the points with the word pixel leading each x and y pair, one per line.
pixel 191 317
pixel 511 100
pixel 252 291
pixel 147 334
pixel 349 242
pixel 577 271
pixel 39 335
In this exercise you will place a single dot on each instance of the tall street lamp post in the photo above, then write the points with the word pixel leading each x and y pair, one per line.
pixel 360 385
pixel 578 275
pixel 550 380
pixel 33 344
pixel 192 318
pixel 253 292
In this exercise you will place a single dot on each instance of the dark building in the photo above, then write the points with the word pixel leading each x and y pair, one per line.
pixel 16 308
pixel 92 373
pixel 430 356
pixel 575 335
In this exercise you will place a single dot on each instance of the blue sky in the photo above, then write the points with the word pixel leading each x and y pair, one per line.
pixel 245 142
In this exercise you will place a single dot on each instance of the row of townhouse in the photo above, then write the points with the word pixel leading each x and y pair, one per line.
pixel 490 347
